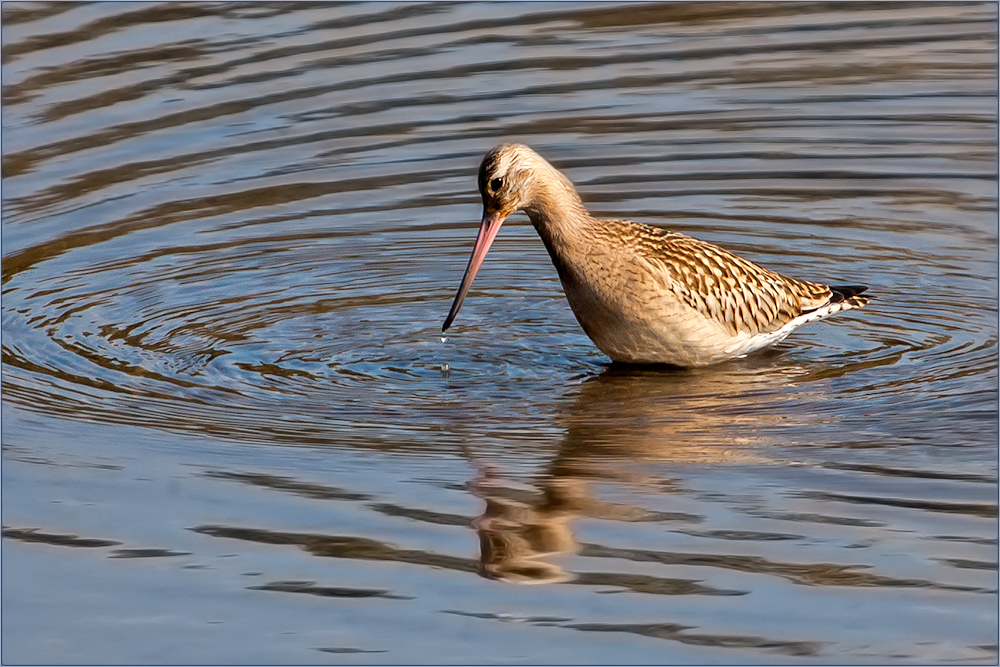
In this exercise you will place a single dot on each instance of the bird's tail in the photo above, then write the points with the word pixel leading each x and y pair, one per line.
pixel 850 295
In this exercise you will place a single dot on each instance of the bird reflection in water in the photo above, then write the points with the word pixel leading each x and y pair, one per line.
pixel 518 531
pixel 621 418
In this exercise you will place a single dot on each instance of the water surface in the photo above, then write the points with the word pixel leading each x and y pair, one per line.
pixel 232 431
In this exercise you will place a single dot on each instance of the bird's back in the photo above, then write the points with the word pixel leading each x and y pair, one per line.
pixel 665 296
pixel 740 295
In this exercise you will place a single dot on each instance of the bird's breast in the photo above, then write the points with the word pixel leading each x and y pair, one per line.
pixel 630 311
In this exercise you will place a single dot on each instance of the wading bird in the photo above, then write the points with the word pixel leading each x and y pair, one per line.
pixel 643 294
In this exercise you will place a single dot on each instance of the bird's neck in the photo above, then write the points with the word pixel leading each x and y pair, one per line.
pixel 556 211
pixel 566 227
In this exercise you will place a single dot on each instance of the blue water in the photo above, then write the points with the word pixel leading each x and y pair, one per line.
pixel 232 432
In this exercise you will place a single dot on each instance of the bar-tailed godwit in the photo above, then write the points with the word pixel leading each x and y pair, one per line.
pixel 644 294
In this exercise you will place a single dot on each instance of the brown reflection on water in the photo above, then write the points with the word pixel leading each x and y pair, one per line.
pixel 627 415
pixel 516 535
pixel 521 536
pixel 713 415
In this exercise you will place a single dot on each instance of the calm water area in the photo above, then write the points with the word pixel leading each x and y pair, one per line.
pixel 233 433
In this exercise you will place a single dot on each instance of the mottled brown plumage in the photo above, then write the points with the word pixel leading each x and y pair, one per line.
pixel 644 294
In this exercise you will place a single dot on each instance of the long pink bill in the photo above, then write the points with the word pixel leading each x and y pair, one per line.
pixel 487 232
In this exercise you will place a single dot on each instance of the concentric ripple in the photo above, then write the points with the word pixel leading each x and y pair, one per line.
pixel 257 232
pixel 231 228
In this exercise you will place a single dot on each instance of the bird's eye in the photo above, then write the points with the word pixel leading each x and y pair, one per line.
pixel 496 184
